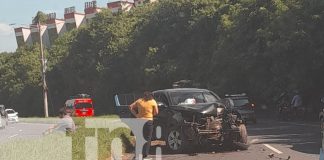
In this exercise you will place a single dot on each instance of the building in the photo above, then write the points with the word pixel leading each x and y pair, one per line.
pixel 90 10
pixel 121 6
pixel 73 19
pixel 23 36
pixel 35 35
pixel 55 27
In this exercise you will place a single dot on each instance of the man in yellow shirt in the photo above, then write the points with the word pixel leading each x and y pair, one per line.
pixel 146 108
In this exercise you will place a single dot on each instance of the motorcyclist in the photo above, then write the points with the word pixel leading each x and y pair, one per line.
pixel 283 106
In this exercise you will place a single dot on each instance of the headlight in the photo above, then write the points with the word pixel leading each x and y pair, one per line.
pixel 220 111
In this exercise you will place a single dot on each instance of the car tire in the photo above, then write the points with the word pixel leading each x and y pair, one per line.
pixel 175 140
pixel 242 139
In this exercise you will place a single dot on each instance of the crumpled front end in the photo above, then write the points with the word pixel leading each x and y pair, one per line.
pixel 210 128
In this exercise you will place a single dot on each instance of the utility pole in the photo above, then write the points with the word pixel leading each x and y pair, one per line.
pixel 43 70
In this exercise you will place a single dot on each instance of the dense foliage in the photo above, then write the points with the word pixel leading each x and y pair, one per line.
pixel 262 47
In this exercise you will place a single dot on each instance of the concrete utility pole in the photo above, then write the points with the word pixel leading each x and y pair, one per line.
pixel 43 70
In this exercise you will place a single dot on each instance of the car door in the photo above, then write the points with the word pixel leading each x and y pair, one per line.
pixel 160 119
pixel 161 98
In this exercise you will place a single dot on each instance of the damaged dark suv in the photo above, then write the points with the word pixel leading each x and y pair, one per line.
pixel 189 116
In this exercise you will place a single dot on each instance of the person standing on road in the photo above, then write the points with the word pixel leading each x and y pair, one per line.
pixel 145 108
pixel 296 103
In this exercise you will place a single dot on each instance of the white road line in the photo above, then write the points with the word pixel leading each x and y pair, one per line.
pixel 273 149
pixel 254 141
pixel 301 124
pixel 13 136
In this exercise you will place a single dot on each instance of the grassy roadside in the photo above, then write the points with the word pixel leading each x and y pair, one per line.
pixel 104 139
pixel 86 143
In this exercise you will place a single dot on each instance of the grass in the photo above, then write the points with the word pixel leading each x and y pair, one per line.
pixel 53 120
pixel 85 143
pixel 54 146
pixel 104 139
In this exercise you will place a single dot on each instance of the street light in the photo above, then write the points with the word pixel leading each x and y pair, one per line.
pixel 43 67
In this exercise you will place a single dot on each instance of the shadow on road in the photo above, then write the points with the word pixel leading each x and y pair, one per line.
pixel 301 136
pixel 194 150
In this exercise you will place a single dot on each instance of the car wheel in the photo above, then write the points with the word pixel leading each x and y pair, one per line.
pixel 175 140
pixel 242 139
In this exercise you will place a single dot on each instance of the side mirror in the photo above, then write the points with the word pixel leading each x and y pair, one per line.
pixel 161 105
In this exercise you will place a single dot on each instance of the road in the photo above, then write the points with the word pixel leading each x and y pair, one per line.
pixel 269 139
pixel 22 130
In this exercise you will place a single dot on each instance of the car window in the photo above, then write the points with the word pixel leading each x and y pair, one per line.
pixel 83 105
pixel 161 98
pixel 240 102
pixel 210 97
pixel 10 111
pixel 179 98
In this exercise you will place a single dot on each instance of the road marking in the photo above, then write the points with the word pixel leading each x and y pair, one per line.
pixel 254 141
pixel 301 124
pixel 13 136
pixel 273 149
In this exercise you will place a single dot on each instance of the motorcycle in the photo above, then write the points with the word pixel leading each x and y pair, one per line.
pixel 284 111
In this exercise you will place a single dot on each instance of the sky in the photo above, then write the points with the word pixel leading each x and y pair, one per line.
pixel 20 13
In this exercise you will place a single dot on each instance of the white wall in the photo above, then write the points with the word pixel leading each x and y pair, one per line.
pixel 79 19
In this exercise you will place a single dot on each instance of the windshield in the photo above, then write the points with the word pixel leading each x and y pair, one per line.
pixel 10 111
pixel 240 102
pixel 179 98
pixel 83 105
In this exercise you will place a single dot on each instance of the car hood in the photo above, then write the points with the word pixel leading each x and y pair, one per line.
pixel 12 114
pixel 203 108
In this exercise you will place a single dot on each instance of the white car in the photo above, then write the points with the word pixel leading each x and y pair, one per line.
pixel 12 115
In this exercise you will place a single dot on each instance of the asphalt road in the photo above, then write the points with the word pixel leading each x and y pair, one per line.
pixel 269 140
pixel 22 130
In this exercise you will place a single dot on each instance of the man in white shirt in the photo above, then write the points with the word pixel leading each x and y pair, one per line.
pixel 66 123
pixel 297 106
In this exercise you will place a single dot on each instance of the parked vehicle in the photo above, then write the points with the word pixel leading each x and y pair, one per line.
pixel 12 115
pixel 81 105
pixel 284 112
pixel 243 106
pixel 190 116
pixel 3 117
